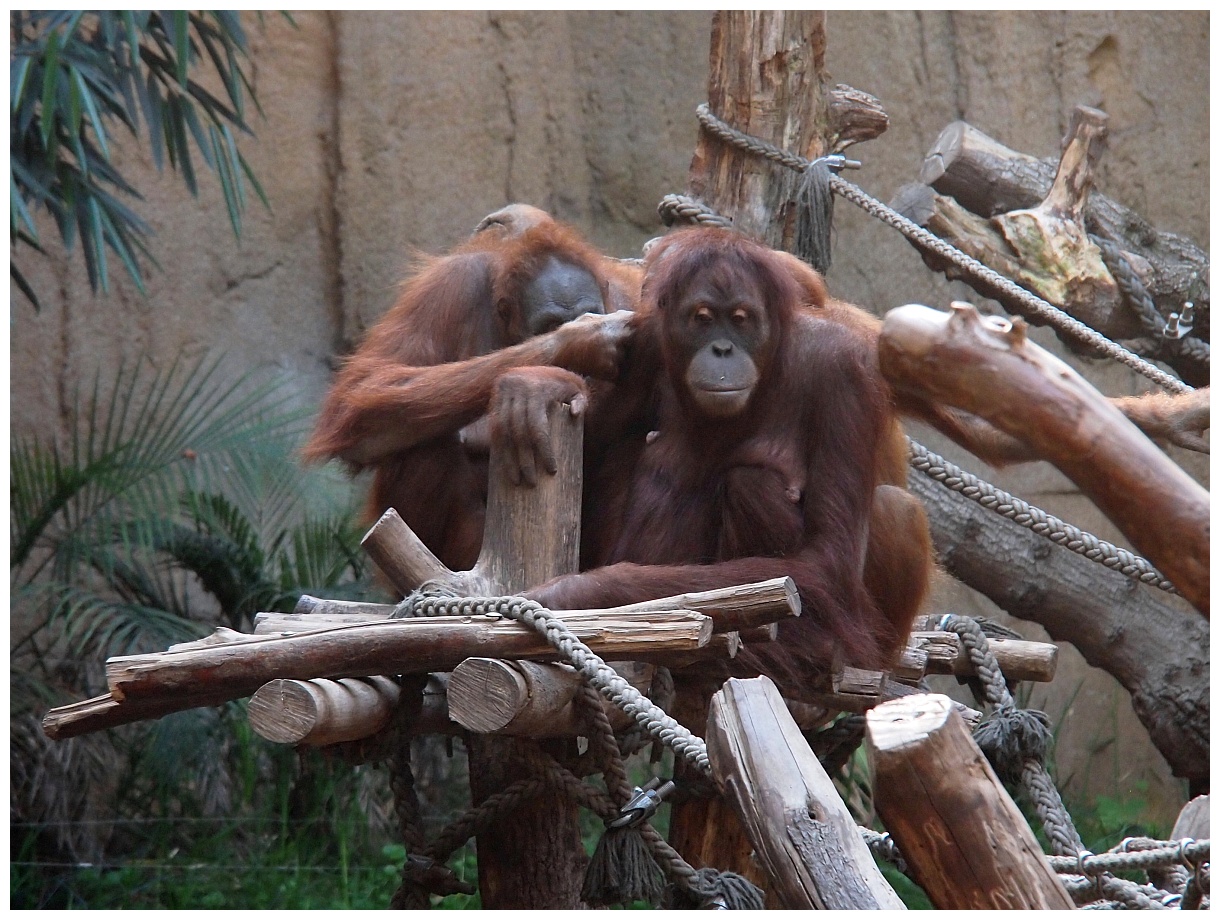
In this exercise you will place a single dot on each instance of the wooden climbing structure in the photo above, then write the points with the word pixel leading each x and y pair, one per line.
pixel 463 654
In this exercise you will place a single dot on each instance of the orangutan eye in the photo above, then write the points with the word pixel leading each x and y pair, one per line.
pixel 703 316
pixel 740 317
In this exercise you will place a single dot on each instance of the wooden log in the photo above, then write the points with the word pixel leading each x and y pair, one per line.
pixel 755 635
pixel 320 712
pixel 325 713
pixel 528 699
pixel 393 647
pixel 989 178
pixel 802 832
pixel 1139 635
pixel 989 368
pixel 962 836
pixel 1194 820
pixel 706 830
pixel 766 78
pixel 1017 658
pixel 855 117
pixel 732 609
pixel 735 608
pixel 911 665
pixel 857 690
pixel 533 859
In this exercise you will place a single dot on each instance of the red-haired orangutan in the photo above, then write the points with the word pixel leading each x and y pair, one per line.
pixel 501 301
pixel 772 449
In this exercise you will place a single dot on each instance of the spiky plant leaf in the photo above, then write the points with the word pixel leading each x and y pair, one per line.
pixel 75 76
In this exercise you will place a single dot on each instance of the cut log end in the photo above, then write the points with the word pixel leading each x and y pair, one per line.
pixel 283 711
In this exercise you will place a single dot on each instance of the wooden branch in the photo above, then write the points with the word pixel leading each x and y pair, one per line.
pixel 802 832
pixel 321 605
pixel 1143 637
pixel 533 700
pixel 990 369
pixel 732 609
pixel 396 647
pixel 767 78
pixel 1057 259
pixel 402 556
pixel 101 712
pixel 855 116
pixel 963 837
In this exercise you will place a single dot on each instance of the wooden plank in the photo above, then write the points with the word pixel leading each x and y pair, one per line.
pixel 961 834
pixel 802 832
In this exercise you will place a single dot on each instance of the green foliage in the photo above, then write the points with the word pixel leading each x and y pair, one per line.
pixel 175 503
pixel 76 77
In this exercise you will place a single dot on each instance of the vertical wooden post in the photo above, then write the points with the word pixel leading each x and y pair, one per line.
pixel 534 859
pixel 801 830
pixel 960 832
pixel 766 77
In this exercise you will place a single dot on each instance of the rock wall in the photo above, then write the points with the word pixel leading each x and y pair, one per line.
pixel 388 133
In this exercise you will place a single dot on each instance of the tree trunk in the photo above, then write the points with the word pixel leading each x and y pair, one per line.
pixel 1145 638
pixel 766 78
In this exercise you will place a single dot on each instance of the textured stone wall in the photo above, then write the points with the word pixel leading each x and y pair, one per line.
pixel 388 133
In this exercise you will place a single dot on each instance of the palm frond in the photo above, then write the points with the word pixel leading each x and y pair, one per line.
pixel 133 449
pixel 76 76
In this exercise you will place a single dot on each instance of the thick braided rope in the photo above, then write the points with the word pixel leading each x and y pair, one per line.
pixel 1046 525
pixel 985 665
pixel 1036 306
pixel 675 868
pixel 1037 782
pixel 601 736
pixel 1158 853
pixel 1060 830
pixel 609 684
pixel 674 208
pixel 410 894
pixel 1110 893
pixel 1145 307
pixel 883 847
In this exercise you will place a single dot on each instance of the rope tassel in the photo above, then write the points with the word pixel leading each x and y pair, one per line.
pixel 815 210
pixel 622 870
